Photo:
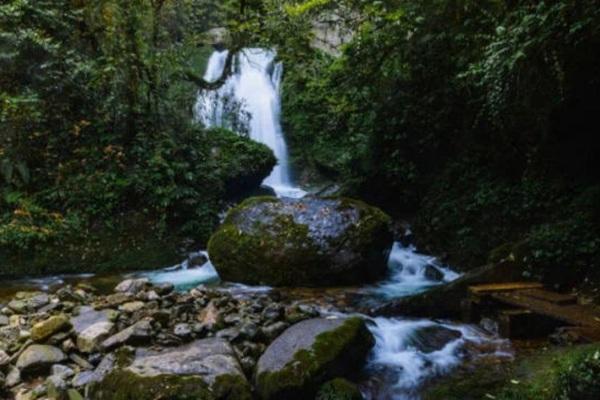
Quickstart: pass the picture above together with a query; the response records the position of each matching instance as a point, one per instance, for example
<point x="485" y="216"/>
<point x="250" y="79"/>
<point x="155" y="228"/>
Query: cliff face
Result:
<point x="334" y="28"/>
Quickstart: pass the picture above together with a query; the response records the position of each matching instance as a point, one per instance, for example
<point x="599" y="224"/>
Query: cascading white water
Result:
<point x="401" y="363"/>
<point x="252" y="92"/>
<point x="411" y="272"/>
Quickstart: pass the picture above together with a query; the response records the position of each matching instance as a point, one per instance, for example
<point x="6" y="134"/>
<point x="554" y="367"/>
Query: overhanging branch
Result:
<point x="203" y="84"/>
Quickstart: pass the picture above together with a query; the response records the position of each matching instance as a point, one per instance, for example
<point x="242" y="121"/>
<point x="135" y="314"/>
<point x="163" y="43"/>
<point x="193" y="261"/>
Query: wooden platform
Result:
<point x="535" y="309"/>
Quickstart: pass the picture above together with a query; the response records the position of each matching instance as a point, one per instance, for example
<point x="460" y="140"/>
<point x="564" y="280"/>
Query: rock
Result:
<point x="85" y="378"/>
<point x="82" y="362"/>
<point x="25" y="395"/>
<point x="339" y="389"/>
<point x="302" y="242"/>
<point x="116" y="299"/>
<point x="4" y="359"/>
<point x="182" y="330"/>
<point x="132" y="306"/>
<point x="210" y="316"/>
<point x="62" y="371"/>
<point x="432" y="273"/>
<point x="132" y="286"/>
<point x="68" y="294"/>
<point x="196" y="260"/>
<point x="88" y="316"/>
<point x="164" y="288"/>
<point x="273" y="312"/>
<point x="25" y="302"/>
<point x="433" y="338"/>
<point x="43" y="330"/>
<point x="231" y="334"/>
<point x="89" y="340"/>
<point x="272" y="331"/>
<point x="3" y="320"/>
<point x="308" y="354"/>
<point x="152" y="296"/>
<point x="73" y="394"/>
<point x="204" y="369"/>
<point x="39" y="357"/>
<point x="13" y="378"/>
<point x="57" y="388"/>
<point x="68" y="346"/>
<point x="138" y="333"/>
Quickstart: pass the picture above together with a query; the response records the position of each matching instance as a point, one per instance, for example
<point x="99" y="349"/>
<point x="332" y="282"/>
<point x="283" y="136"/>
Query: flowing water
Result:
<point x="250" y="96"/>
<point x="398" y="366"/>
<point x="401" y="361"/>
<point x="408" y="353"/>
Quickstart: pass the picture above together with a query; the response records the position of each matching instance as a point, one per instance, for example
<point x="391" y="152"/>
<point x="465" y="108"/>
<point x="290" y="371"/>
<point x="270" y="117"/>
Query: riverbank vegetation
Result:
<point x="476" y="120"/>
<point x="99" y="155"/>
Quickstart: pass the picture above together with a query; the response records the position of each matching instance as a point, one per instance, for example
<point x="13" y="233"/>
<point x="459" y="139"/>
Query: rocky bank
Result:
<point x="148" y="341"/>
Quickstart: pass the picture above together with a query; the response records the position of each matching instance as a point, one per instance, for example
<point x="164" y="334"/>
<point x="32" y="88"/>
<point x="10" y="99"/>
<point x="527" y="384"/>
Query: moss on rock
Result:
<point x="334" y="353"/>
<point x="309" y="242"/>
<point x="122" y="384"/>
<point x="339" y="389"/>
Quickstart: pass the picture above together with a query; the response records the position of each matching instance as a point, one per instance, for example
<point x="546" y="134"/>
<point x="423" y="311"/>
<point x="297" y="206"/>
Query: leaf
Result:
<point x="23" y="172"/>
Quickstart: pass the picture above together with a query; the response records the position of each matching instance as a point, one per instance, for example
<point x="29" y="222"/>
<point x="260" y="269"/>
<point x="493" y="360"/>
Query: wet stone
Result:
<point x="39" y="357"/>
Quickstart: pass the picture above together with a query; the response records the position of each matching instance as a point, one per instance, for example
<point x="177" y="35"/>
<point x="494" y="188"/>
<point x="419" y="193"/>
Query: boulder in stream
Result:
<point x="310" y="353"/>
<point x="302" y="242"/>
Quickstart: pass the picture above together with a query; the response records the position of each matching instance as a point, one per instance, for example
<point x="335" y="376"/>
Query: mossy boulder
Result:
<point x="310" y="353"/>
<point x="241" y="163"/>
<point x="339" y="389"/>
<point x="302" y="242"/>
<point x="202" y="370"/>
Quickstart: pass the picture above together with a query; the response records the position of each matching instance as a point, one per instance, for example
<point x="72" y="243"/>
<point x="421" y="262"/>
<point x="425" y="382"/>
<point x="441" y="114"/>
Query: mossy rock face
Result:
<point x="302" y="242"/>
<point x="241" y="163"/>
<point x="339" y="389"/>
<point x="202" y="370"/>
<point x="310" y="353"/>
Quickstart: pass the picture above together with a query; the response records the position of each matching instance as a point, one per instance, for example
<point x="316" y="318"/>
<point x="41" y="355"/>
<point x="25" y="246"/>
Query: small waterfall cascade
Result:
<point x="411" y="272"/>
<point x="408" y="353"/>
<point x="250" y="96"/>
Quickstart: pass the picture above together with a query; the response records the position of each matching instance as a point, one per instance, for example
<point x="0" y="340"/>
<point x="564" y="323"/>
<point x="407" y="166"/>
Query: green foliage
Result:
<point x="568" y="375"/>
<point x="477" y="117"/>
<point x="581" y="380"/>
<point x="97" y="130"/>
<point x="26" y="223"/>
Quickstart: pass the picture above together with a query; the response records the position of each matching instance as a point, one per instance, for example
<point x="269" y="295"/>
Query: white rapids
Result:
<point x="252" y="93"/>
<point x="411" y="272"/>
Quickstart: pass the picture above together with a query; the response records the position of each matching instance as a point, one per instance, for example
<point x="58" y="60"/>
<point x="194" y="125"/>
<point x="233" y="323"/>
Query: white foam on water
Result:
<point x="255" y="87"/>
<point x="408" y="273"/>
<point x="405" y="367"/>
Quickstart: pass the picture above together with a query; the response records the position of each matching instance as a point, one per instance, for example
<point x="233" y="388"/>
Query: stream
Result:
<point x="408" y="353"/>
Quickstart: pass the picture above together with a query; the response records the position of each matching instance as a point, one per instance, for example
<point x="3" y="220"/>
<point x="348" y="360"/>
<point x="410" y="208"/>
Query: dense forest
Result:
<point x="475" y="123"/>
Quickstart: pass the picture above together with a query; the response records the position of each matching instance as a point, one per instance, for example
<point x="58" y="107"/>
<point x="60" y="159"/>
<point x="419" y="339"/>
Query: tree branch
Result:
<point x="203" y="84"/>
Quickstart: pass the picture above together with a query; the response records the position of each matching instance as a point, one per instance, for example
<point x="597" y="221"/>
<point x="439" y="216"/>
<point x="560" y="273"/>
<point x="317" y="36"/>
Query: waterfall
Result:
<point x="250" y="96"/>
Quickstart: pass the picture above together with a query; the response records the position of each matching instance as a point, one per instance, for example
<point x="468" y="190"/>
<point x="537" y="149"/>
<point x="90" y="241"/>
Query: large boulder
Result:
<point x="310" y="353"/>
<point x="206" y="369"/>
<point x="302" y="242"/>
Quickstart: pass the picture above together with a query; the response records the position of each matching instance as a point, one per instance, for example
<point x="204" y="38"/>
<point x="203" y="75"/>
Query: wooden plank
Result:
<point x="552" y="297"/>
<point x="569" y="314"/>
<point x="503" y="287"/>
